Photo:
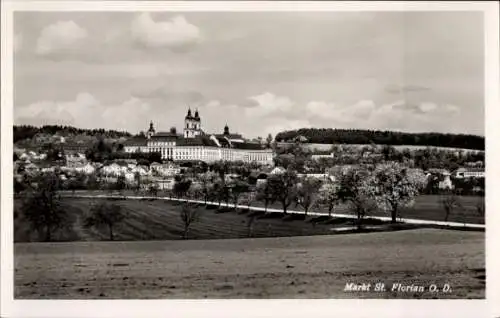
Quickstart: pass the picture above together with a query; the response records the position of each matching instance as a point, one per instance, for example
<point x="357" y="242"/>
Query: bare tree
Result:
<point x="449" y="203"/>
<point x="250" y="223"/>
<point x="189" y="215"/>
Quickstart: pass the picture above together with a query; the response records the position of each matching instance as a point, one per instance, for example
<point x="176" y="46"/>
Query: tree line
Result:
<point x="27" y="131"/>
<point x="358" y="136"/>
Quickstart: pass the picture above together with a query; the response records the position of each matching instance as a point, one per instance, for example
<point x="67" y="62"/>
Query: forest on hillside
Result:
<point x="27" y="132"/>
<point x="357" y="136"/>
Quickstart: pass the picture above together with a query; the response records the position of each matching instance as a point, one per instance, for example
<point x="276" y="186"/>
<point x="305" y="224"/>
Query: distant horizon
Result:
<point x="259" y="72"/>
<point x="263" y="136"/>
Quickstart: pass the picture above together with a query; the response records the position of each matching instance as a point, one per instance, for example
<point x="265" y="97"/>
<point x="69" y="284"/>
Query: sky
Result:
<point x="259" y="72"/>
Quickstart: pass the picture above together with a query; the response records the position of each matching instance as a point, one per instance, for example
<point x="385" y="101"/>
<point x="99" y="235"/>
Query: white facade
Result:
<point x="191" y="147"/>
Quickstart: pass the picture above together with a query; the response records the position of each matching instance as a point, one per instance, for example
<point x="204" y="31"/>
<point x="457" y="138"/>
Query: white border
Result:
<point x="252" y="308"/>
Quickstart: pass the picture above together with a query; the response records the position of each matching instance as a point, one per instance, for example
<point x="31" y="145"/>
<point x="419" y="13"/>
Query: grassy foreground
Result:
<point x="151" y="219"/>
<point x="285" y="267"/>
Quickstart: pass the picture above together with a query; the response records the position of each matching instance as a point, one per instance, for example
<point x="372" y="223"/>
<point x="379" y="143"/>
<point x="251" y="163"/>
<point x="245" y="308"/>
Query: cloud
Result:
<point x="165" y="93"/>
<point x="176" y="34"/>
<point x="60" y="37"/>
<point x="85" y="111"/>
<point x="268" y="104"/>
<point x="18" y="42"/>
<point x="400" y="89"/>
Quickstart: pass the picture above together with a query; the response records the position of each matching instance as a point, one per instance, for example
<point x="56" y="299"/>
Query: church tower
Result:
<point x="151" y="130"/>
<point x="192" y="124"/>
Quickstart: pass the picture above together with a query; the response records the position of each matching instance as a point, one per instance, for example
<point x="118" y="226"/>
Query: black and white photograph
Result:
<point x="250" y="154"/>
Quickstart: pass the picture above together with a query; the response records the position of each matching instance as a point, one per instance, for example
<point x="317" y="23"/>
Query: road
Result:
<point x="254" y="208"/>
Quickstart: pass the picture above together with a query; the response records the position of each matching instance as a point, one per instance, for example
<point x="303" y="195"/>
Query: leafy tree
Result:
<point x="450" y="202"/>
<point x="103" y="214"/>
<point x="137" y="177"/>
<point x="265" y="194"/>
<point x="394" y="186"/>
<point x="92" y="182"/>
<point x="121" y="183"/>
<point x="284" y="188"/>
<point x="189" y="214"/>
<point x="269" y="141"/>
<point x="42" y="207"/>
<point x="18" y="186"/>
<point x="181" y="187"/>
<point x="328" y="195"/>
<point x="307" y="193"/>
<point x="237" y="188"/>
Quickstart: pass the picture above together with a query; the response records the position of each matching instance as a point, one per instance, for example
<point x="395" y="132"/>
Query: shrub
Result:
<point x="211" y="207"/>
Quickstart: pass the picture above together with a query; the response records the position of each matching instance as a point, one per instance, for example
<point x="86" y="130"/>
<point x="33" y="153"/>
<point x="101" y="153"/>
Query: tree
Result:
<point x="18" y="186"/>
<point x="181" y="187"/>
<point x="354" y="189"/>
<point x="121" y="183"/>
<point x="42" y="207"/>
<point x="450" y="202"/>
<point x="207" y="180"/>
<point x="284" y="188"/>
<point x="103" y="214"/>
<point x="480" y="208"/>
<point x="189" y="214"/>
<point x="328" y="195"/>
<point x="137" y="177"/>
<point x="394" y="186"/>
<point x="153" y="189"/>
<point x="307" y="192"/>
<point x="264" y="194"/>
<point x="269" y="141"/>
<point x="238" y="188"/>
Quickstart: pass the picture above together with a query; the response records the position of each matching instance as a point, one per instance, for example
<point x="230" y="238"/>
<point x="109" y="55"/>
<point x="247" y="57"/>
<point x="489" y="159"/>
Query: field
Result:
<point x="285" y="267"/>
<point x="160" y="220"/>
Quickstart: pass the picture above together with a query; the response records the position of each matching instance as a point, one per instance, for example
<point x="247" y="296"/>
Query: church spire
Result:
<point x="189" y="115"/>
<point x="196" y="114"/>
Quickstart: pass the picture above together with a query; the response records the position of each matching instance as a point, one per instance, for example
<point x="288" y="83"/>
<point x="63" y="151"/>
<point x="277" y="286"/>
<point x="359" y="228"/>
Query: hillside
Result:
<point x="365" y="137"/>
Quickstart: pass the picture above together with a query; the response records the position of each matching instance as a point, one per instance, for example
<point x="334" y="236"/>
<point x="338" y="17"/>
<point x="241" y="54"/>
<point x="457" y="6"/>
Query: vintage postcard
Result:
<point x="248" y="158"/>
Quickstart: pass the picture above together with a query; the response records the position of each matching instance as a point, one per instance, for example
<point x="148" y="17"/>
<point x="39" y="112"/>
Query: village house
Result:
<point x="469" y="173"/>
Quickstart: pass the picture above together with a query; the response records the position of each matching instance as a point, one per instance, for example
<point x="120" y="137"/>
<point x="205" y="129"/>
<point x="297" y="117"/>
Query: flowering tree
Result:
<point x="307" y="193"/>
<point x="284" y="188"/>
<point x="353" y="188"/>
<point x="395" y="186"/>
<point x="328" y="195"/>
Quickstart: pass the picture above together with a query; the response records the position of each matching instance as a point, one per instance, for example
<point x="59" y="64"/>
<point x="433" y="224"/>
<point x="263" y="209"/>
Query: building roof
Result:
<point x="470" y="170"/>
<point x="230" y="136"/>
<point x="136" y="141"/>
<point x="164" y="134"/>
<point x="196" y="141"/>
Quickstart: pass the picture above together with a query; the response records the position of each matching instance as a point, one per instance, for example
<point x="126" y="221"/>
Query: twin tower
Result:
<point x="192" y="124"/>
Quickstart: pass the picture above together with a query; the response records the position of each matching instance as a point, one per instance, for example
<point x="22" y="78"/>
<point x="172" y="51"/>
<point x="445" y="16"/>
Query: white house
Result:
<point x="469" y="173"/>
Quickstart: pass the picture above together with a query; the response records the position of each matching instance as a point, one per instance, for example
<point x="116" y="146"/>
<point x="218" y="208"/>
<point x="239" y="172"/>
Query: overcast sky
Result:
<point x="259" y="72"/>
